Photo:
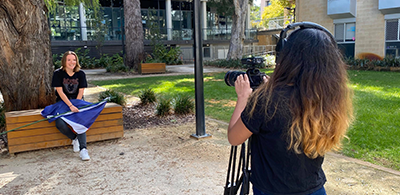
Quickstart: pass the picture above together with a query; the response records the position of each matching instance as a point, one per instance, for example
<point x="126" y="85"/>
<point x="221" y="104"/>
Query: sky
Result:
<point x="257" y="2"/>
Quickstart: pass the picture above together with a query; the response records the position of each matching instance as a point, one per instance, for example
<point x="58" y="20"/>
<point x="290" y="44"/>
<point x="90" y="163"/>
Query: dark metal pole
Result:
<point x="123" y="32"/>
<point x="198" y="62"/>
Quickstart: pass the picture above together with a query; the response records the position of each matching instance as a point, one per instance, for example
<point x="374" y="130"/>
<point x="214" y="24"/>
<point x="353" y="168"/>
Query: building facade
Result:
<point x="76" y="27"/>
<point x="359" y="26"/>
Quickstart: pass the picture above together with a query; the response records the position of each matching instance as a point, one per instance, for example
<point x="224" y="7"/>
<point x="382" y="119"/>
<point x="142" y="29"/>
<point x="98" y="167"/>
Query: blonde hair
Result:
<point x="64" y="61"/>
<point x="321" y="102"/>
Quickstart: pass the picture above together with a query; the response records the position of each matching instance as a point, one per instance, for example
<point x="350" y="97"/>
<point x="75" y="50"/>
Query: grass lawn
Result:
<point x="374" y="137"/>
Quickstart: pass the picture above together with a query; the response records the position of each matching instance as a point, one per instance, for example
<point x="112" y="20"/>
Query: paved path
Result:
<point x="345" y="175"/>
<point x="101" y="74"/>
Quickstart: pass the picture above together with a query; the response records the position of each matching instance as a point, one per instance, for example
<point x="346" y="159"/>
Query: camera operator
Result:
<point x="302" y="112"/>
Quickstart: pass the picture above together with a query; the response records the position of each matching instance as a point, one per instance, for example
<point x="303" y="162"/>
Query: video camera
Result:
<point x="254" y="74"/>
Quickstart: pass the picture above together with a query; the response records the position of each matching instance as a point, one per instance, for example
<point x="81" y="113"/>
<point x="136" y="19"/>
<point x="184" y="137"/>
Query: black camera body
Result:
<point x="254" y="74"/>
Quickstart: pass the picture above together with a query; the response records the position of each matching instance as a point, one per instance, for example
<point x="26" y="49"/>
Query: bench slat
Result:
<point x="49" y="130"/>
<point x="62" y="142"/>
<point x="56" y="135"/>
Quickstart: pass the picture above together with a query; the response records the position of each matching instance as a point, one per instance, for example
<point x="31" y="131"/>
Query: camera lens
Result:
<point x="230" y="77"/>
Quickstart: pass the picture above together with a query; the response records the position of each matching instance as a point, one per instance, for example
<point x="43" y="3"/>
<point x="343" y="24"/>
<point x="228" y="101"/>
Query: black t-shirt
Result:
<point x="274" y="169"/>
<point x="69" y="84"/>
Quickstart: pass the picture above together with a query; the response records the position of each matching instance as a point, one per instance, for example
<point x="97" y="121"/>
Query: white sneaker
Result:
<point x="75" y="144"/>
<point x="84" y="154"/>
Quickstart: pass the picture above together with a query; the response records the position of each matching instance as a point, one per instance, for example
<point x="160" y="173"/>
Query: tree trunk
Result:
<point x="133" y="33"/>
<point x="26" y="67"/>
<point x="238" y="28"/>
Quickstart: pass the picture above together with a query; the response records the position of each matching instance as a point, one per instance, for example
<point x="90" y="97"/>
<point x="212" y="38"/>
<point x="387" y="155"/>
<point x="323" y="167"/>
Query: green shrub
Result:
<point x="163" y="106"/>
<point x="117" y="59"/>
<point x="183" y="104"/>
<point x="114" y="97"/>
<point x="103" y="61"/>
<point x="370" y="64"/>
<point x="172" y="56"/>
<point x="84" y="59"/>
<point x="57" y="61"/>
<point x="147" y="96"/>
<point x="163" y="55"/>
<point x="225" y="63"/>
<point x="117" y="68"/>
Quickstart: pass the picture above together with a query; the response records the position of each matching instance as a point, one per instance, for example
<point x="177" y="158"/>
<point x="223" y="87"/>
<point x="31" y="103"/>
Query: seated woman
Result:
<point x="70" y="83"/>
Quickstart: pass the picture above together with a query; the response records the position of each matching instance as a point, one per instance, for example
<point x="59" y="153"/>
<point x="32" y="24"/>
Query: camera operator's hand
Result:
<point x="242" y="87"/>
<point x="266" y="78"/>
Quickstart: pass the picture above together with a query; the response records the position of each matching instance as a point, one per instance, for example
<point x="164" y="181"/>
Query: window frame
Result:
<point x="344" y="32"/>
<point x="397" y="33"/>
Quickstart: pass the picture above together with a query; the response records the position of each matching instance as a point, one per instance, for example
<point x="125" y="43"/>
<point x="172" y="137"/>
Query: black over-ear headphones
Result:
<point x="303" y="25"/>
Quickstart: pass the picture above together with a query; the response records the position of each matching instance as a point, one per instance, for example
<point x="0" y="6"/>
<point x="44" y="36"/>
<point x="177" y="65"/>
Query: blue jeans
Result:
<point x="321" y="191"/>
<point x="63" y="127"/>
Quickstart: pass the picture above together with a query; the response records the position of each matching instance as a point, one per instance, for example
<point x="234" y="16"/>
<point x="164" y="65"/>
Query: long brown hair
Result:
<point x="321" y="102"/>
<point x="64" y="61"/>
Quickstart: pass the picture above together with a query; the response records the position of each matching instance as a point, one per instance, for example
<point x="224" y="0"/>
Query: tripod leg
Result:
<point x="233" y="184"/>
<point x="228" y="183"/>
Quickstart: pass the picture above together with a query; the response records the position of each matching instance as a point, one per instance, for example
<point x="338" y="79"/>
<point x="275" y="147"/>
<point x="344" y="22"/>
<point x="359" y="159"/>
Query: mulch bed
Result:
<point x="144" y="116"/>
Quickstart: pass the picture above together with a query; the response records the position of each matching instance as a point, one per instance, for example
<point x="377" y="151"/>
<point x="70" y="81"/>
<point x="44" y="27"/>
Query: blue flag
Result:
<point x="79" y="121"/>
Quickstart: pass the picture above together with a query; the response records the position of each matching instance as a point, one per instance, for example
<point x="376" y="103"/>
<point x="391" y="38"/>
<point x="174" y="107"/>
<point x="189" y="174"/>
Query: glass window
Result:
<point x="187" y="19"/>
<point x="339" y="32"/>
<point x="350" y="32"/>
<point x="207" y="52"/>
<point x="345" y="32"/>
<point x="392" y="38"/>
<point x="392" y="27"/>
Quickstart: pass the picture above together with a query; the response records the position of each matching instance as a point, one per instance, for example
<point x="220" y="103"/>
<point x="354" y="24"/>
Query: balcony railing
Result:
<point x="84" y="34"/>
<point x="89" y="34"/>
<point x="278" y="23"/>
<point x="187" y="34"/>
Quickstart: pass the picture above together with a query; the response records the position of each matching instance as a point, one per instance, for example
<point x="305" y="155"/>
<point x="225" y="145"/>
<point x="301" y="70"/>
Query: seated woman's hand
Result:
<point x="74" y="109"/>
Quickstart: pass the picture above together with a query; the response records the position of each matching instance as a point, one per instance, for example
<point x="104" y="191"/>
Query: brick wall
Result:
<point x="370" y="28"/>
<point x="314" y="11"/>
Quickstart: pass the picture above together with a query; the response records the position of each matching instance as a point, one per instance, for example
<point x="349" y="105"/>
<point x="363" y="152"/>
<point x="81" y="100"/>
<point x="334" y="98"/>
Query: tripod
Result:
<point x="242" y="178"/>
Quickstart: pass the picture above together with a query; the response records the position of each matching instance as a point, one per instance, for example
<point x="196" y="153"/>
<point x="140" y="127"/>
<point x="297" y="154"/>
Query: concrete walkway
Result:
<point x="345" y="175"/>
<point x="101" y="74"/>
<point x="171" y="69"/>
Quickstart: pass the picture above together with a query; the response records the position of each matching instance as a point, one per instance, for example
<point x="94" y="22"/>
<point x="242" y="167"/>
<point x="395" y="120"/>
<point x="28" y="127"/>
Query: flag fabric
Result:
<point x="79" y="121"/>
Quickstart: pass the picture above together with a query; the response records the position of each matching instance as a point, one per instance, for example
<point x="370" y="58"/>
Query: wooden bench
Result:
<point x="147" y="68"/>
<point x="108" y="125"/>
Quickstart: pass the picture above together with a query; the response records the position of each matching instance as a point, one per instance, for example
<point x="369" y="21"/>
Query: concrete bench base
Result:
<point x="41" y="135"/>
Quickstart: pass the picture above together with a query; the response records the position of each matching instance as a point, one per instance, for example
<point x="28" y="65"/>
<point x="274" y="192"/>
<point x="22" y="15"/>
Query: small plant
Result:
<point x="148" y="96"/>
<point x="163" y="107"/>
<point x="57" y="61"/>
<point x="183" y="104"/>
<point x="115" y="97"/>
